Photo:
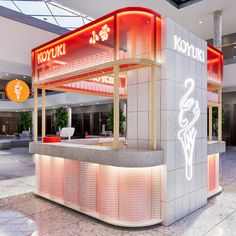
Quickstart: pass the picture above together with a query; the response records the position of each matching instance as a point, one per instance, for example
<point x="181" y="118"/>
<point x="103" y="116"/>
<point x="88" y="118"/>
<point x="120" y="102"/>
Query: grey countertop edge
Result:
<point x="216" y="147"/>
<point x="120" y="158"/>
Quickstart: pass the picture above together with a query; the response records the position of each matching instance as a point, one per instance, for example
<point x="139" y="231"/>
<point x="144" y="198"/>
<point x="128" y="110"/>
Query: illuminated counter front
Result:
<point x="214" y="148"/>
<point x="119" y="187"/>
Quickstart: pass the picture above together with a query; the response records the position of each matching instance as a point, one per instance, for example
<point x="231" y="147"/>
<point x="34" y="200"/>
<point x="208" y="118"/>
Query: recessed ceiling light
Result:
<point x="97" y="102"/>
<point x="200" y="22"/>
<point x="6" y="74"/>
<point x="81" y="104"/>
<point x="24" y="77"/>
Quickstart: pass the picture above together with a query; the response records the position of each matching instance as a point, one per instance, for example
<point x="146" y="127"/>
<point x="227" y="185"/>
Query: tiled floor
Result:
<point x="26" y="214"/>
<point x="15" y="163"/>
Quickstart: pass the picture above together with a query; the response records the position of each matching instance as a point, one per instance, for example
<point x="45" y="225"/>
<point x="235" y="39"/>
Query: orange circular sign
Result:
<point x="17" y="91"/>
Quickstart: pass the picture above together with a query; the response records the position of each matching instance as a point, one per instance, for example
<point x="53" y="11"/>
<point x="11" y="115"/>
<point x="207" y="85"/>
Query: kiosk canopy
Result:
<point x="125" y="37"/>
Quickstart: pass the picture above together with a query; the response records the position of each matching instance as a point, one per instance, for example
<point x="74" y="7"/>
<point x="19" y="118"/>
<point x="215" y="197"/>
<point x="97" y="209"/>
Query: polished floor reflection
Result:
<point x="16" y="163"/>
<point x="23" y="214"/>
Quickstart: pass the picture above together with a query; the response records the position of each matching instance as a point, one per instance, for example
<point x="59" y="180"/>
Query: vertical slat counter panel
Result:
<point x="57" y="178"/>
<point x="71" y="182"/>
<point x="107" y="191"/>
<point x="211" y="173"/>
<point x="87" y="186"/>
<point x="37" y="171"/>
<point x="45" y="175"/>
<point x="156" y="192"/>
<point x="135" y="194"/>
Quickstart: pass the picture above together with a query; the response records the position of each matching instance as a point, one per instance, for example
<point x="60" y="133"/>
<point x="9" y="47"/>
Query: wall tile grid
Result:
<point x="138" y="108"/>
<point x="179" y="196"/>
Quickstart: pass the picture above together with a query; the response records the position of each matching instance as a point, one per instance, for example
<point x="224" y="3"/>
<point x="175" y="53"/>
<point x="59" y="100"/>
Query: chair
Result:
<point x="67" y="132"/>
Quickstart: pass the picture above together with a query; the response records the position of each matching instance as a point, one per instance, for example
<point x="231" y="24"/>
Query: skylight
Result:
<point x="50" y="12"/>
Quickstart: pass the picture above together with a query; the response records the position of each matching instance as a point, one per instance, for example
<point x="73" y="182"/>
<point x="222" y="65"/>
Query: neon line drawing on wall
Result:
<point x="187" y="134"/>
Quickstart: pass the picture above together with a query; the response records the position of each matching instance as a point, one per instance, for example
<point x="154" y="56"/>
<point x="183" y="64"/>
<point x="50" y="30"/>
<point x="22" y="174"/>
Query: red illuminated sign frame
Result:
<point x="215" y="61"/>
<point x="130" y="34"/>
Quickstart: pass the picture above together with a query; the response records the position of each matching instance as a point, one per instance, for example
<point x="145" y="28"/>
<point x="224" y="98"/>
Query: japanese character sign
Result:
<point x="102" y="35"/>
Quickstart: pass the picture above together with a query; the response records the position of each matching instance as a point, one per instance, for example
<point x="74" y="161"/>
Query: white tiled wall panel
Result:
<point x="181" y="196"/>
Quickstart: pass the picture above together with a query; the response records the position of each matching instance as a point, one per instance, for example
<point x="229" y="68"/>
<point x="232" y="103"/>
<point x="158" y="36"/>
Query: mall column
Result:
<point x="69" y="111"/>
<point x="217" y="39"/>
<point x="217" y="42"/>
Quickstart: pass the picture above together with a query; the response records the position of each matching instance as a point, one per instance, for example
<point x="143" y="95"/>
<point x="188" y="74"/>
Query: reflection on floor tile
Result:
<point x="226" y="227"/>
<point x="24" y="214"/>
<point x="12" y="187"/>
<point x="16" y="163"/>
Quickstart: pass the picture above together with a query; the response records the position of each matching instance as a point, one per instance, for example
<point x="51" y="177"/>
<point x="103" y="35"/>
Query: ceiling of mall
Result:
<point x="11" y="76"/>
<point x="189" y="17"/>
<point x="48" y="11"/>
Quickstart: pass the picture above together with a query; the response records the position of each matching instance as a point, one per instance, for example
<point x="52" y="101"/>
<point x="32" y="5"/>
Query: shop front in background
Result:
<point x="9" y="123"/>
<point x="91" y="119"/>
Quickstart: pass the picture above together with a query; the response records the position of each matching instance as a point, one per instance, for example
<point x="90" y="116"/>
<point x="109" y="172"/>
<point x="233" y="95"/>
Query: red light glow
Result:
<point x="214" y="64"/>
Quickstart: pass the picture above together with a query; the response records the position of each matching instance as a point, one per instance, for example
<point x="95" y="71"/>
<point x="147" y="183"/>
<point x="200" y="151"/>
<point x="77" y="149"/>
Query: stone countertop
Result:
<point x="124" y="157"/>
<point x="214" y="147"/>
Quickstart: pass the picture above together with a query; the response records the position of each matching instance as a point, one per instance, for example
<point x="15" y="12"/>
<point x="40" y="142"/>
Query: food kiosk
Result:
<point x="161" y="174"/>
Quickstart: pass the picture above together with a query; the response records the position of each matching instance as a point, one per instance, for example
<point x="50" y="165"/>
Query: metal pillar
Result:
<point x="69" y="111"/>
<point x="217" y="38"/>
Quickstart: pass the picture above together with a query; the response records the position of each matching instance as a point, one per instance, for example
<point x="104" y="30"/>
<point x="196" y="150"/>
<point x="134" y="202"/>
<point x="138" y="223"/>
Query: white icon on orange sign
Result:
<point x="187" y="134"/>
<point x="17" y="90"/>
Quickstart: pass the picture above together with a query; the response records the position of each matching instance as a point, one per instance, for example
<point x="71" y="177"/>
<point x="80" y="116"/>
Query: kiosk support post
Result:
<point x="43" y="113"/>
<point x="210" y="123"/>
<point x="35" y="115"/>
<point x="116" y="112"/>
<point x="220" y="115"/>
<point x="153" y="122"/>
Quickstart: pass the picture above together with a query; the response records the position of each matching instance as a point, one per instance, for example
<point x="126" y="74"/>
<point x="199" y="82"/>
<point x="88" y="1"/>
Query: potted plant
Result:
<point x="215" y="121"/>
<point x="121" y="121"/>
<point x="61" y="118"/>
<point x="26" y="122"/>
